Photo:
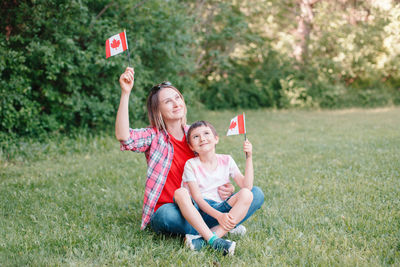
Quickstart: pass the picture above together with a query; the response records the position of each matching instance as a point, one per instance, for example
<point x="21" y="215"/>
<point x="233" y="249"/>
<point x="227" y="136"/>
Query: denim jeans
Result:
<point x="169" y="220"/>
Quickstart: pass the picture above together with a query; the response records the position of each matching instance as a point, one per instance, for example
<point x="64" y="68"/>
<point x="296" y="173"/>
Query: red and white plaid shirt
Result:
<point x="159" y="153"/>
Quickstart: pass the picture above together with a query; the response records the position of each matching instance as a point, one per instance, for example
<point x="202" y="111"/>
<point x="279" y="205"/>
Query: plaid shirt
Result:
<point x="159" y="153"/>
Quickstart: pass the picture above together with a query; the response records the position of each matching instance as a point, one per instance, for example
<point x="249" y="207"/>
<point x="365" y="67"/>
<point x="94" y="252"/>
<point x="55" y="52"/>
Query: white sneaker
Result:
<point x="239" y="230"/>
<point x="194" y="242"/>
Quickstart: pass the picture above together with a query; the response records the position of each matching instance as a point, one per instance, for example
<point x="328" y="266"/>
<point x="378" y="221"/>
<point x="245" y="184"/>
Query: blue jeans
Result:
<point x="169" y="220"/>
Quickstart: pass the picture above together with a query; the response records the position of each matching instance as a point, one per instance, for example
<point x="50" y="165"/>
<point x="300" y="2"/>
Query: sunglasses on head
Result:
<point x="161" y="85"/>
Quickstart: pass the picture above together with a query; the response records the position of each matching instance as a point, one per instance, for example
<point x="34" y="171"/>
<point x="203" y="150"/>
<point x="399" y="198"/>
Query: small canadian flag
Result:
<point x="116" y="44"/>
<point x="237" y="126"/>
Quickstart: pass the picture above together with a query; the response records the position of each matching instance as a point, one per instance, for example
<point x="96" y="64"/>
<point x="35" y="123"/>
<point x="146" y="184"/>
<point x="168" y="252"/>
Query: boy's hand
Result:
<point x="226" y="220"/>
<point x="247" y="148"/>
<point x="126" y="80"/>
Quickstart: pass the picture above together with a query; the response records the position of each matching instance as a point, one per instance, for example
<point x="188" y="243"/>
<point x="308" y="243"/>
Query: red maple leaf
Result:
<point x="115" y="44"/>
<point x="233" y="125"/>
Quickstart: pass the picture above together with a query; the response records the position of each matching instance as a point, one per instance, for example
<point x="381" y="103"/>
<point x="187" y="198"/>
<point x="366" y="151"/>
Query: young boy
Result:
<point x="202" y="176"/>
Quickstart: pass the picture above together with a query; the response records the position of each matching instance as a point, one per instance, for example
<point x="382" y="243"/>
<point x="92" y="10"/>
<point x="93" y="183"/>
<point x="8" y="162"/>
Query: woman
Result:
<point x="166" y="150"/>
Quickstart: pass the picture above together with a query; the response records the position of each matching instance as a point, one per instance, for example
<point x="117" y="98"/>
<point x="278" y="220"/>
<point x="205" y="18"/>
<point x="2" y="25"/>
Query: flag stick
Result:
<point x="127" y="49"/>
<point x="245" y="138"/>
<point x="129" y="58"/>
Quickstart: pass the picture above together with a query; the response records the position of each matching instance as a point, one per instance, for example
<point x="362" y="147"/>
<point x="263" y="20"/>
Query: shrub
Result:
<point x="53" y="71"/>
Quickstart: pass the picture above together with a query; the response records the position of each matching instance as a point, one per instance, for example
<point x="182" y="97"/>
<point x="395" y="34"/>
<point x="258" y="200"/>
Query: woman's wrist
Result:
<point x="125" y="94"/>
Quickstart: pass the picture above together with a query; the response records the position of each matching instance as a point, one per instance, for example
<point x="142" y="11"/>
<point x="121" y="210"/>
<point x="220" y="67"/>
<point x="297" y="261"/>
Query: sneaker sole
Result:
<point x="231" y="250"/>
<point x="188" y="241"/>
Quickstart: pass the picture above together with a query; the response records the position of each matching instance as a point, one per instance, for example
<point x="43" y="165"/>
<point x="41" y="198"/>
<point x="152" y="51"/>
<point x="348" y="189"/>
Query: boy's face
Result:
<point x="202" y="139"/>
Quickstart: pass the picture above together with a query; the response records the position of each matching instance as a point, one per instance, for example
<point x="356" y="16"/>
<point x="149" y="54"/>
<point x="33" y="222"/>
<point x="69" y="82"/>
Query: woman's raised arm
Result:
<point x="126" y="81"/>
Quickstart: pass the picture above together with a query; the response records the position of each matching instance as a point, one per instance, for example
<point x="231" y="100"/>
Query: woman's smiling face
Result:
<point x="171" y="105"/>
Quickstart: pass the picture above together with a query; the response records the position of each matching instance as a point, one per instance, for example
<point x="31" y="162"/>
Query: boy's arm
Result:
<point x="246" y="181"/>
<point x="224" y="219"/>
<point x="203" y="205"/>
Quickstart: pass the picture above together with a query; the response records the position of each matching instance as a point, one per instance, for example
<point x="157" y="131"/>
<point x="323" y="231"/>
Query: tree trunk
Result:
<point x="303" y="31"/>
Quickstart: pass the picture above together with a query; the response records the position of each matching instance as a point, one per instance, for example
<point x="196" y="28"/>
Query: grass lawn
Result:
<point x="331" y="181"/>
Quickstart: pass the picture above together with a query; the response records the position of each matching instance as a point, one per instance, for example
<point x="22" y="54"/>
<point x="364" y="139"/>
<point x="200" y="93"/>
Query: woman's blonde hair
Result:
<point x="153" y="106"/>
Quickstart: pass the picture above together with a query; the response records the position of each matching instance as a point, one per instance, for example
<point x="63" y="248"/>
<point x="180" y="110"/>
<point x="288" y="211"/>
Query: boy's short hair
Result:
<point x="198" y="124"/>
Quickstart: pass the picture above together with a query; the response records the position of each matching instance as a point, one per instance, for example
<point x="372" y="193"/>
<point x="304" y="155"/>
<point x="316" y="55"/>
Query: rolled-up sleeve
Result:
<point x="139" y="140"/>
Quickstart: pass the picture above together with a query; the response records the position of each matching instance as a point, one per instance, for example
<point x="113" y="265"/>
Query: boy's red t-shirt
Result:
<point x="182" y="153"/>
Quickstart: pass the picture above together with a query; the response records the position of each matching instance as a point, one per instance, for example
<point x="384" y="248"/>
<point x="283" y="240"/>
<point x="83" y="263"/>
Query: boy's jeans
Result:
<point x="168" y="218"/>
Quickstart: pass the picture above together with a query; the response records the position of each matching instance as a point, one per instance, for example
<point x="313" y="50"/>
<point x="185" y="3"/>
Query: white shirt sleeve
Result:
<point x="233" y="168"/>
<point x="188" y="174"/>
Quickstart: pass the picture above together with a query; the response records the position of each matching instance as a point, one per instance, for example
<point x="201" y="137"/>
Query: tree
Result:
<point x="304" y="27"/>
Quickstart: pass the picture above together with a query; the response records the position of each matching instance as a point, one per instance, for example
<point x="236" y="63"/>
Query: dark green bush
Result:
<point x="53" y="71"/>
<point x="250" y="84"/>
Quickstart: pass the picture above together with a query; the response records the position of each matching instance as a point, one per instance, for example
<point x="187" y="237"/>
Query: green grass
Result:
<point x="331" y="181"/>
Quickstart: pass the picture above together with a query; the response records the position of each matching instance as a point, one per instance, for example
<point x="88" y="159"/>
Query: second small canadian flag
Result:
<point x="116" y="44"/>
<point x="237" y="126"/>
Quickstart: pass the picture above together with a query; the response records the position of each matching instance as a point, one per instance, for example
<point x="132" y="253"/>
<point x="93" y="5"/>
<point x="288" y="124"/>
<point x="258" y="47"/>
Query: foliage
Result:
<point x="228" y="54"/>
<point x="250" y="87"/>
<point x="54" y="75"/>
